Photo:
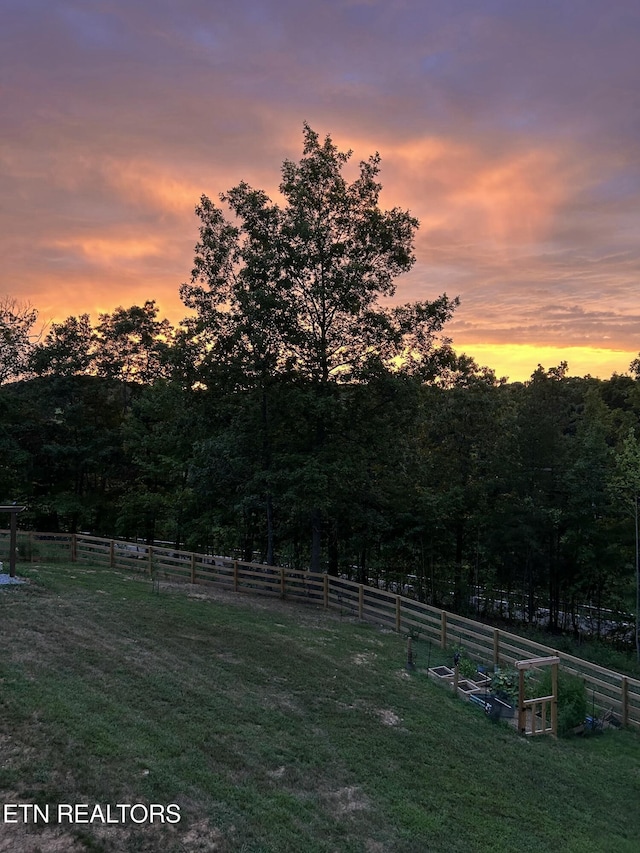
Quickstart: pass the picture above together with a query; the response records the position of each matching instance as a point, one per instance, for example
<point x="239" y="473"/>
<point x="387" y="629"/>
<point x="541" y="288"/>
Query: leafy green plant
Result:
<point x="467" y="668"/>
<point x="505" y="684"/>
<point x="572" y="700"/>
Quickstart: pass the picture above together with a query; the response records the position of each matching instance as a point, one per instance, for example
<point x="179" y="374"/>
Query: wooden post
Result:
<point x="522" y="713"/>
<point x="496" y="647"/>
<point x="554" y="701"/>
<point x="12" y="546"/>
<point x="74" y="548"/>
<point x="360" y="600"/>
<point x="398" y="606"/>
<point x="409" y="654"/>
<point x="625" y="700"/>
<point x="13" y="510"/>
<point x="235" y="575"/>
<point x="193" y="568"/>
<point x="150" y="560"/>
<point x="111" y="554"/>
<point x="282" y="582"/>
<point x="326" y="591"/>
<point x="443" y="630"/>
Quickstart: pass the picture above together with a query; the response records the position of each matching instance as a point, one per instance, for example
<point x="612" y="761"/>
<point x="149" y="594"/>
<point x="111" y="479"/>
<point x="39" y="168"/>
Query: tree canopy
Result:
<point x="296" y="286"/>
<point x="293" y="289"/>
<point x="17" y="320"/>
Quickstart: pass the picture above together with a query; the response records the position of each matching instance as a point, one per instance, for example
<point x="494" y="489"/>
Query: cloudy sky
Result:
<point x="510" y="128"/>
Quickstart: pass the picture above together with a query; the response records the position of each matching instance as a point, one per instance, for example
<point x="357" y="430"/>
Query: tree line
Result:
<point x="296" y="418"/>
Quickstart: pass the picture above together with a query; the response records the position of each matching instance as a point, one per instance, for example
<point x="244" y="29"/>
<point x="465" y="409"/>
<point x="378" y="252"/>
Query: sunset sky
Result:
<point x="510" y="129"/>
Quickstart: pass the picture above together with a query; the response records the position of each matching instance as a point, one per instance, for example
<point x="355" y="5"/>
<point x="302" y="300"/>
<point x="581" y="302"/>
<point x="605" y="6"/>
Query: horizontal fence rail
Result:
<point x="611" y="691"/>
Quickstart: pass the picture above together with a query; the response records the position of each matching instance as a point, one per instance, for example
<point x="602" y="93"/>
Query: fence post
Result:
<point x="326" y="591"/>
<point x="625" y="700"/>
<point x="235" y="575"/>
<point x="443" y="630"/>
<point x="111" y="554"/>
<point x="282" y="582"/>
<point x="496" y="647"/>
<point x="398" y="605"/>
<point x="360" y="600"/>
<point x="151" y="560"/>
<point x="554" y="702"/>
<point x="522" y="711"/>
<point x="193" y="568"/>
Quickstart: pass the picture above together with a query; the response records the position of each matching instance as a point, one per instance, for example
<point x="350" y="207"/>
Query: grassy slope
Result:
<point x="276" y="728"/>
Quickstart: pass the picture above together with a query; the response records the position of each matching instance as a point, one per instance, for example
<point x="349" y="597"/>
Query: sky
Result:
<point x="509" y="128"/>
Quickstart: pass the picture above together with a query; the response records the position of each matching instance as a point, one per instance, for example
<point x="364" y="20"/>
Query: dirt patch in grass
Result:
<point x="203" y="837"/>
<point x="282" y="702"/>
<point x="362" y="658"/>
<point x="347" y="800"/>
<point x="387" y="717"/>
<point x="19" y="838"/>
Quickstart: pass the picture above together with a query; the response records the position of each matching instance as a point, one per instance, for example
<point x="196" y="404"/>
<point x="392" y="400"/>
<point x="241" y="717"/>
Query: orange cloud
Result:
<point x="155" y="185"/>
<point x="515" y="200"/>
<point x="105" y="250"/>
<point x="509" y="198"/>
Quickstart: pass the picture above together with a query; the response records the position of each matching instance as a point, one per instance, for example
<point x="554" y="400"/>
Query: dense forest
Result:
<point x="295" y="420"/>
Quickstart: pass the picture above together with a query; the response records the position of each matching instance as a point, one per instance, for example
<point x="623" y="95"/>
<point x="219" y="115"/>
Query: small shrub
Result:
<point x="467" y="668"/>
<point x="505" y="684"/>
<point x="572" y="700"/>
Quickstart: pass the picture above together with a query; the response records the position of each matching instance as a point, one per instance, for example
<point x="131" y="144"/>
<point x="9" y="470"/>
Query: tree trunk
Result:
<point x="266" y="467"/>
<point x="531" y="589"/>
<point x="457" y="578"/>
<point x="270" y="556"/>
<point x="552" y="624"/>
<point x="362" y="568"/>
<point x="316" y="539"/>
<point x="332" y="547"/>
<point x="247" y="545"/>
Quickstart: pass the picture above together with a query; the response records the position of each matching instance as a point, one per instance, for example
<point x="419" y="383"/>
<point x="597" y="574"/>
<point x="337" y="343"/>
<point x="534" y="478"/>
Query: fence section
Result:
<point x="609" y="690"/>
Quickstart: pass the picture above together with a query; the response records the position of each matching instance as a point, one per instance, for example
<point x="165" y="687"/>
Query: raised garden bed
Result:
<point x="468" y="687"/>
<point x="444" y="673"/>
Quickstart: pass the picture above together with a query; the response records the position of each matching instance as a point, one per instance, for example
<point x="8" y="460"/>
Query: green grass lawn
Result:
<point x="275" y="727"/>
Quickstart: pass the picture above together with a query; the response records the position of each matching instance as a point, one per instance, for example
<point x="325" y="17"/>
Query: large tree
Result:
<point x="17" y="320"/>
<point x="294" y="289"/>
<point x="67" y="350"/>
<point x="132" y="344"/>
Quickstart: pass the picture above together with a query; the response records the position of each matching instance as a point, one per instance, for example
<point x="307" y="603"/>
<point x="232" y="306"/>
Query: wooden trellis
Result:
<point x="13" y="510"/>
<point x="532" y="713"/>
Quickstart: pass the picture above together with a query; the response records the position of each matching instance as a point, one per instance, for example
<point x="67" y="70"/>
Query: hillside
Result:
<point x="273" y="727"/>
